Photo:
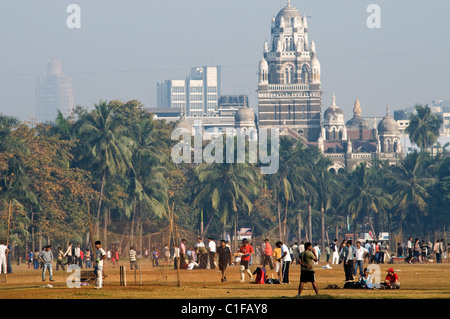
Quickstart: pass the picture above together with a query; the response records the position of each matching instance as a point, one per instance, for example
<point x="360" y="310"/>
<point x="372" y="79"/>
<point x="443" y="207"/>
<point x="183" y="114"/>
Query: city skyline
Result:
<point x="404" y="62"/>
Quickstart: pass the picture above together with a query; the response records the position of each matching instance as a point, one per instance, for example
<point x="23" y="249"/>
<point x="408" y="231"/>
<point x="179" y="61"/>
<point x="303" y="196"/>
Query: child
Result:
<point x="367" y="279"/>
<point x="155" y="257"/>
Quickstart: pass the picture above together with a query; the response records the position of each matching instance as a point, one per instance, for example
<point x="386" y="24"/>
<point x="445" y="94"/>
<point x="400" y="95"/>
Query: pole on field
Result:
<point x="7" y="238"/>
<point x="123" y="276"/>
<point x="140" y="274"/>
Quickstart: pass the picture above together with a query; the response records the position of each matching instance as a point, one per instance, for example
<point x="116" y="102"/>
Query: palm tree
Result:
<point x="147" y="183"/>
<point x="106" y="144"/>
<point x="224" y="189"/>
<point x="294" y="182"/>
<point x="326" y="186"/>
<point x="364" y="196"/>
<point x="423" y="128"/>
<point x="412" y="183"/>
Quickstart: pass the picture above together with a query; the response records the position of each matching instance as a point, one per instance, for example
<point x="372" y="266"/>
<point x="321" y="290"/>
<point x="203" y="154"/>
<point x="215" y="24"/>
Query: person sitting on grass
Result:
<point x="391" y="280"/>
<point x="367" y="279"/>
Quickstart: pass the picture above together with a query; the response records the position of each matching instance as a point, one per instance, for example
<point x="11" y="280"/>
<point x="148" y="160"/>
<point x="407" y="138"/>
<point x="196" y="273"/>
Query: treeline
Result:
<point x="110" y="168"/>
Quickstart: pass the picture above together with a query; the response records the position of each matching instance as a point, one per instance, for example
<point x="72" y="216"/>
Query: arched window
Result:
<point x="305" y="74"/>
<point x="289" y="44"/>
<point x="273" y="74"/>
<point x="289" y="74"/>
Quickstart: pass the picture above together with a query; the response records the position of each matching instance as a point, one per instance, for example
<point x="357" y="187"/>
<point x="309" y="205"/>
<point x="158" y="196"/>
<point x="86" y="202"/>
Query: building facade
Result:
<point x="289" y="87"/>
<point x="54" y="91"/>
<point x="198" y="94"/>
<point x="348" y="144"/>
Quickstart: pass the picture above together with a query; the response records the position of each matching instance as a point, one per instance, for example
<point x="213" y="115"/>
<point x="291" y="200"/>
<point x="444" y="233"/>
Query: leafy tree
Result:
<point x="423" y="128"/>
<point x="413" y="181"/>
<point x="106" y="144"/>
<point x="364" y="195"/>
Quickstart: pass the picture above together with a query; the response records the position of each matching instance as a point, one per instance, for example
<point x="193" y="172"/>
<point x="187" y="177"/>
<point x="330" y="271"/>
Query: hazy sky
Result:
<point x="124" y="47"/>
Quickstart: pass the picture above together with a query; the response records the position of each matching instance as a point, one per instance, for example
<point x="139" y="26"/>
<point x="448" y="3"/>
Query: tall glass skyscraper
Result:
<point x="54" y="91"/>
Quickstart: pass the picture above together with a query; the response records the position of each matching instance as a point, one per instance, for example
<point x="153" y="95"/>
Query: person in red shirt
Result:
<point x="391" y="279"/>
<point x="246" y="250"/>
<point x="267" y="254"/>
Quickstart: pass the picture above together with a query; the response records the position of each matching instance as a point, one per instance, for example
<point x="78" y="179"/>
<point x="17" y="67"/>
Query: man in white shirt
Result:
<point x="367" y="247"/>
<point x="99" y="256"/>
<point x="317" y="251"/>
<point x="68" y="253"/>
<point x="410" y="249"/>
<point x="359" y="259"/>
<point x="301" y="248"/>
<point x="335" y="251"/>
<point x="77" y="254"/>
<point x="285" y="262"/>
<point x="3" y="252"/>
<point x="212" y="252"/>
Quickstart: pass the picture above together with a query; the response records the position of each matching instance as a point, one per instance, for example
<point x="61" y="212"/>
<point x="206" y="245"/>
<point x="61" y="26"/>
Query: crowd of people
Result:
<point x="278" y="258"/>
<point x="73" y="255"/>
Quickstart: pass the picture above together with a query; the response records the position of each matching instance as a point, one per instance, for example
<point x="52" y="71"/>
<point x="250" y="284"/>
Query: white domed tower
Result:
<point x="334" y="123"/>
<point x="388" y="134"/>
<point x="263" y="72"/>
<point x="291" y="93"/>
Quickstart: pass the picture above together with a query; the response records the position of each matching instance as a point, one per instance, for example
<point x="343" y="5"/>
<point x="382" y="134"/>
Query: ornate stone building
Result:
<point x="349" y="144"/>
<point x="289" y="88"/>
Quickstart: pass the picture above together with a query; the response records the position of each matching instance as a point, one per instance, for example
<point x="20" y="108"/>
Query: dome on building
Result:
<point x="333" y="112"/>
<point x="357" y="121"/>
<point x="263" y="65"/>
<point x="245" y="114"/>
<point x="287" y="13"/>
<point x="388" y="125"/>
<point x="315" y="64"/>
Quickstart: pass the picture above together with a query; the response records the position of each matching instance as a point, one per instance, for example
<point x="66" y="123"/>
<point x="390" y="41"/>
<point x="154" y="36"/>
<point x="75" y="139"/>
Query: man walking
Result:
<point x="246" y="250"/>
<point x="133" y="259"/>
<point x="69" y="254"/>
<point x="59" y="259"/>
<point x="347" y="256"/>
<point x="267" y="254"/>
<point x="335" y="251"/>
<point x="212" y="252"/>
<point x="46" y="257"/>
<point x="183" y="254"/>
<point x="307" y="274"/>
<point x="224" y="253"/>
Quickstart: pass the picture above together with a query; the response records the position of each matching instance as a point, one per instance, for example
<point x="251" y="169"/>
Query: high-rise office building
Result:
<point x="289" y="87"/>
<point x="54" y="91"/>
<point x="197" y="95"/>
